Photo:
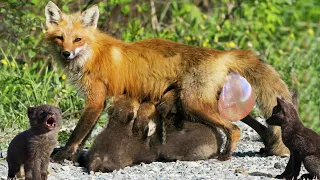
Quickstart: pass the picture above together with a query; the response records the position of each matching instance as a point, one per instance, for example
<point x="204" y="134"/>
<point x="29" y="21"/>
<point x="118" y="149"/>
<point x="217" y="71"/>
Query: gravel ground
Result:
<point x="245" y="163"/>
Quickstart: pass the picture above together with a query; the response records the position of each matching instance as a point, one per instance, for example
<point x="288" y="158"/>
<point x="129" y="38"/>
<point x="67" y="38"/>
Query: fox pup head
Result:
<point x="44" y="118"/>
<point x="122" y="111"/>
<point x="283" y="113"/>
<point x="69" y="35"/>
<point x="132" y="116"/>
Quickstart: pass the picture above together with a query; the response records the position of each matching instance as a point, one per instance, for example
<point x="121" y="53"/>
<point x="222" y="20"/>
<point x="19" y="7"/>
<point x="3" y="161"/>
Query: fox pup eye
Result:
<point x="60" y="38"/>
<point x="77" y="40"/>
<point x="42" y="114"/>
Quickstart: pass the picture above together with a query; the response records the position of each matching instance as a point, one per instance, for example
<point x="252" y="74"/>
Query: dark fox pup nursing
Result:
<point x="192" y="141"/>
<point x="304" y="144"/>
<point x="32" y="148"/>
<point x="121" y="144"/>
<point x="116" y="146"/>
<point x="184" y="140"/>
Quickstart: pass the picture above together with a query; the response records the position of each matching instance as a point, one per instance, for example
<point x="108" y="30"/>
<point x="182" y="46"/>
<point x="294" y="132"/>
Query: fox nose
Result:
<point x="66" y="54"/>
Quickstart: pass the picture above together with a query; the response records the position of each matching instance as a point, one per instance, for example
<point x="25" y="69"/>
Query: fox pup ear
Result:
<point x="281" y="101"/>
<point x="90" y="16"/>
<point x="30" y="111"/>
<point x="53" y="14"/>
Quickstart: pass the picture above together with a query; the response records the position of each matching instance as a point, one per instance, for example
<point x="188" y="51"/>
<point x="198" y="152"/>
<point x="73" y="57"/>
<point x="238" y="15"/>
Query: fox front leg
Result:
<point x="95" y="102"/>
<point x="293" y="167"/>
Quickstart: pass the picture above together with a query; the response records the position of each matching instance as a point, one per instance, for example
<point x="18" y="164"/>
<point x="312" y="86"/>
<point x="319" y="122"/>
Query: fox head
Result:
<point x="283" y="113"/>
<point x="70" y="34"/>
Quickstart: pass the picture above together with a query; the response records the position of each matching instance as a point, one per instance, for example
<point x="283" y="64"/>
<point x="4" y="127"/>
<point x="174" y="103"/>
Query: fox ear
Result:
<point x="53" y="14"/>
<point x="90" y="16"/>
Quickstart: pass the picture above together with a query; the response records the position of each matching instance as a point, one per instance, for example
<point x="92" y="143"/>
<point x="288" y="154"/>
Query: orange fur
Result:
<point x="145" y="69"/>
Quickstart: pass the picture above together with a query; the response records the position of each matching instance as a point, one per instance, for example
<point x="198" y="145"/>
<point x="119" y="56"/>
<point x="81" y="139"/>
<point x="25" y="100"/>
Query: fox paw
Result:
<point x="64" y="153"/>
<point x="224" y="157"/>
<point x="275" y="152"/>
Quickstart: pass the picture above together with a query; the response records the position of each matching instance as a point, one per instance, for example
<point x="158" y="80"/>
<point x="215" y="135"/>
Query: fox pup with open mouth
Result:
<point x="32" y="148"/>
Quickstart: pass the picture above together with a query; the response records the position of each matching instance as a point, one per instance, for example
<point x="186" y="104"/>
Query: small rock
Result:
<point x="279" y="165"/>
<point x="3" y="178"/>
<point x="192" y="164"/>
<point x="241" y="171"/>
<point x="65" y="168"/>
<point x="3" y="154"/>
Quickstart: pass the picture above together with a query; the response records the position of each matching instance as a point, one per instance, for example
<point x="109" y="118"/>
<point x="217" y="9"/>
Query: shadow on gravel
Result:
<point x="247" y="154"/>
<point x="261" y="174"/>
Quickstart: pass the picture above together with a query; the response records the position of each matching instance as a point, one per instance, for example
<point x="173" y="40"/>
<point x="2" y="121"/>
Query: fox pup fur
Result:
<point x="32" y="148"/>
<point x="102" y="66"/>
<point x="184" y="140"/>
<point x="116" y="146"/>
<point x="119" y="146"/>
<point x="304" y="144"/>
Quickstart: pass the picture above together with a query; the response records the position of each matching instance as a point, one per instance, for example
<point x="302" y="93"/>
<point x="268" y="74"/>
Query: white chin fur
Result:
<point x="77" y="60"/>
<point x="82" y="54"/>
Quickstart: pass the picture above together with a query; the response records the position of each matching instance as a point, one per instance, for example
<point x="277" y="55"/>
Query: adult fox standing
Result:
<point x="103" y="66"/>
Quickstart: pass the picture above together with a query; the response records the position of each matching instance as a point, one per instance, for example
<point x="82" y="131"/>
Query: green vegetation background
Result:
<point x="285" y="33"/>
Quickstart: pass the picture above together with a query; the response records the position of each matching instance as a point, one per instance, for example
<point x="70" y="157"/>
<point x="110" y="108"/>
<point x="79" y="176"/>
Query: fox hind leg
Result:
<point x="212" y="118"/>
<point x="199" y="96"/>
<point x="312" y="164"/>
<point x="200" y="102"/>
<point x="274" y="144"/>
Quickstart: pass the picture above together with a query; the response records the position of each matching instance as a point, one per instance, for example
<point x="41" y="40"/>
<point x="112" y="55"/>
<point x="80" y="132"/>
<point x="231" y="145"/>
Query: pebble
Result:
<point x="65" y="168"/>
<point x="244" y="164"/>
<point x="279" y="165"/>
<point x="193" y="164"/>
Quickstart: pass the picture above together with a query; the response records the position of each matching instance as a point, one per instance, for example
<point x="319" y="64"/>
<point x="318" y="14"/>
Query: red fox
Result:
<point x="102" y="66"/>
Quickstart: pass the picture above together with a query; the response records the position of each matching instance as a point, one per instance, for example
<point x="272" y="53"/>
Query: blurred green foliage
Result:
<point x="285" y="33"/>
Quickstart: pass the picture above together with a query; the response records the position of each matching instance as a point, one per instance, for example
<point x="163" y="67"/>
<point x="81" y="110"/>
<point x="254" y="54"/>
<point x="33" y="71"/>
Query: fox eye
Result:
<point x="77" y="40"/>
<point x="42" y="114"/>
<point x="60" y="37"/>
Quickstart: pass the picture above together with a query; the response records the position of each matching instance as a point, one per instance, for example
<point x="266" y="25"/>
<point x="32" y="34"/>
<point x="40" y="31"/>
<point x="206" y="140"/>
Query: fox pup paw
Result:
<point x="307" y="176"/>
<point x="284" y="176"/>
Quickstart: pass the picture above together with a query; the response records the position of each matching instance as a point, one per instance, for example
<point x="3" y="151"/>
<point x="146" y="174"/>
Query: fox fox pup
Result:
<point x="174" y="118"/>
<point x="32" y="148"/>
<point x="304" y="144"/>
<point x="102" y="66"/>
<point x="191" y="141"/>
<point x="116" y="146"/>
<point x="195" y="141"/>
